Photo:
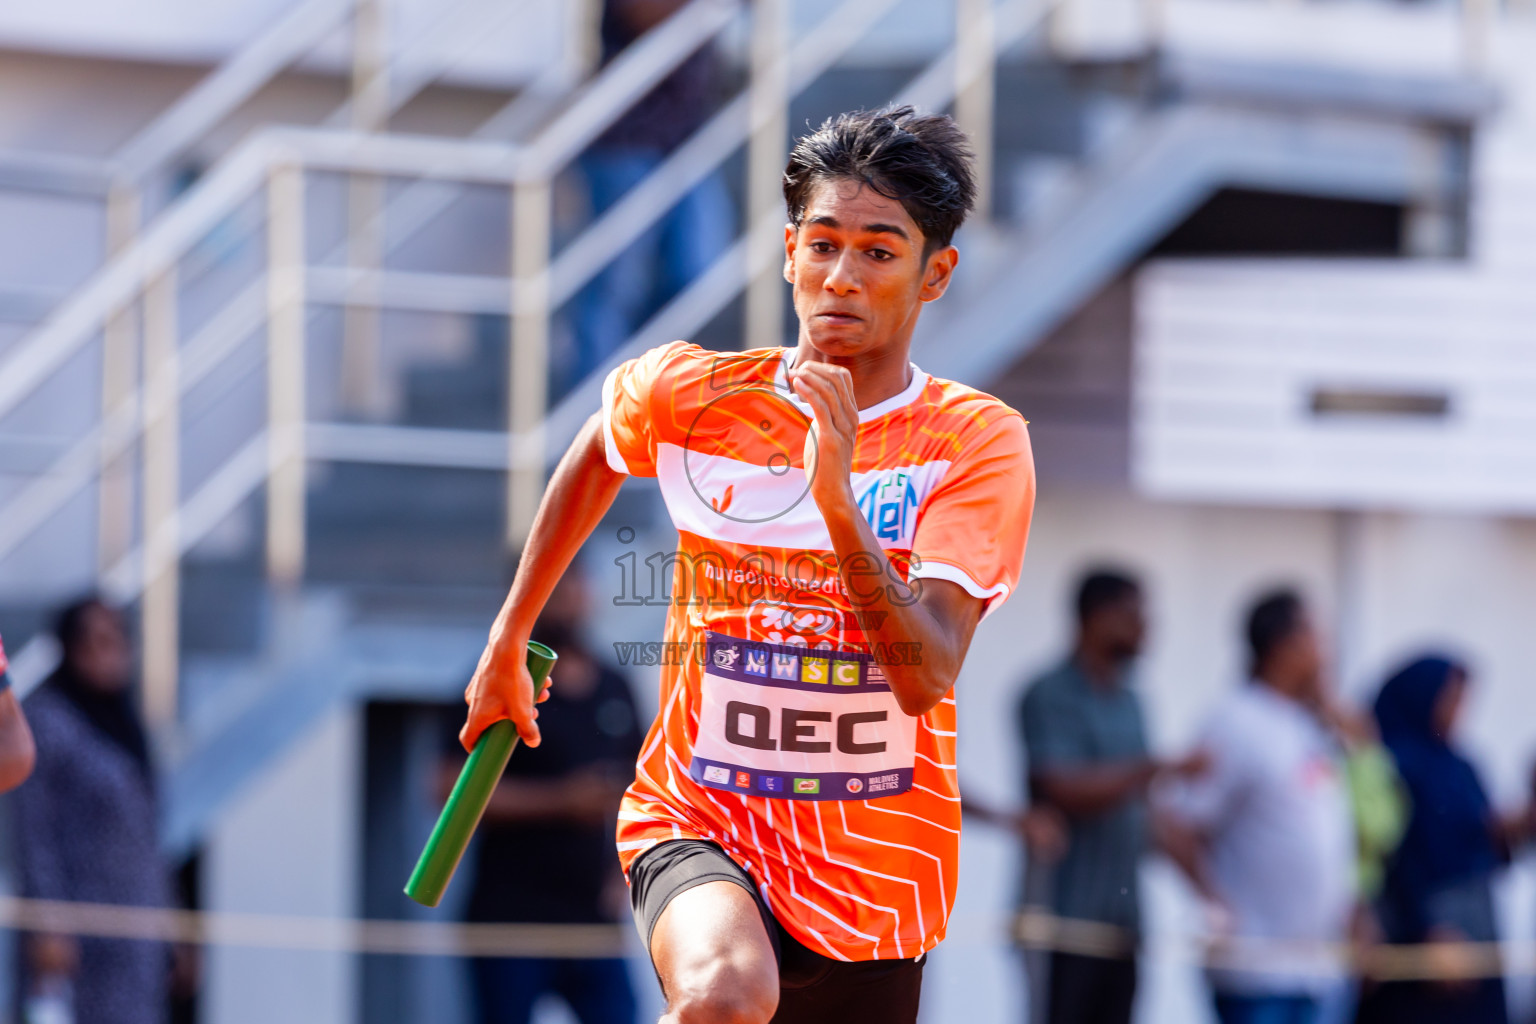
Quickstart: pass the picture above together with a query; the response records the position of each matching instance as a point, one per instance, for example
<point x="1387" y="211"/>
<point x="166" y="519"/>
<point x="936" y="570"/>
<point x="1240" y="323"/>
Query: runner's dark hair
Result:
<point x="922" y="161"/>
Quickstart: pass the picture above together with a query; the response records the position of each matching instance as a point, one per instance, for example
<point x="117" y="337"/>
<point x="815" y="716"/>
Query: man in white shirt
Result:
<point x="1270" y="836"/>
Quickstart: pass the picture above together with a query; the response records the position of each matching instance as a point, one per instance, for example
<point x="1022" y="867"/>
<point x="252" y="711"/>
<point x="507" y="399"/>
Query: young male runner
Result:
<point x="791" y="838"/>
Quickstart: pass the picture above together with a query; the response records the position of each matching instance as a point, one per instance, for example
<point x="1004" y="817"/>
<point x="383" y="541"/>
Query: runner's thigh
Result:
<point x="709" y="946"/>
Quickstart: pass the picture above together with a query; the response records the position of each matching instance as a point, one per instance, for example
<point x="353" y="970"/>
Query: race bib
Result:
<point x="799" y="724"/>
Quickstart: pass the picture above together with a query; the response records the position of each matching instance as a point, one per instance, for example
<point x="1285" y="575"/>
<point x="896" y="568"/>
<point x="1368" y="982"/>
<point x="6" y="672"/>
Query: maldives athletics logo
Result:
<point x="855" y="785"/>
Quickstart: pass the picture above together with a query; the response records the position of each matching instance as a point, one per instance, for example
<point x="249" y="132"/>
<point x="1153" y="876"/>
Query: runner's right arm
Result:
<point x="575" y="501"/>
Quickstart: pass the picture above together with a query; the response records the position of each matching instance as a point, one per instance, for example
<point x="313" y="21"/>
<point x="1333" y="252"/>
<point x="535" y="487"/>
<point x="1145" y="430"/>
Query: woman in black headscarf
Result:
<point x="1439" y="881"/>
<point x="86" y="825"/>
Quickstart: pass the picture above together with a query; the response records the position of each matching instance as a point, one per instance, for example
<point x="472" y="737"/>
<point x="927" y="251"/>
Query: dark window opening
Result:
<point x="1371" y="402"/>
<point x="1238" y="221"/>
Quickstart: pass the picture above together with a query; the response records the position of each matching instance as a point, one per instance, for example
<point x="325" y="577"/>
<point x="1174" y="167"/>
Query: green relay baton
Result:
<point x="477" y="781"/>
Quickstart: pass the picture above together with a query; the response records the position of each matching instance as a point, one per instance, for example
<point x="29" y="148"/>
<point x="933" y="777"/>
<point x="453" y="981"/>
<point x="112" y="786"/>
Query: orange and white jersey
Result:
<point x="777" y="736"/>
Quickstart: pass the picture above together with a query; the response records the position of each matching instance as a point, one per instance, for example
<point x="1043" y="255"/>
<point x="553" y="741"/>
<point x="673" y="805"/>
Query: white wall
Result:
<point x="1229" y="353"/>
<point x="289" y="846"/>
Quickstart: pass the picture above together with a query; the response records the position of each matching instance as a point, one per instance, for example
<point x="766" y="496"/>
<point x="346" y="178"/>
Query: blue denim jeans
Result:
<point x="1269" y="1009"/>
<point x="661" y="262"/>
<point x="597" y="991"/>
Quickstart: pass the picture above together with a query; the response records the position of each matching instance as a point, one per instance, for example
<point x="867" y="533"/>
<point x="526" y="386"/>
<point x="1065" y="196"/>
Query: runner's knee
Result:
<point x="725" y="991"/>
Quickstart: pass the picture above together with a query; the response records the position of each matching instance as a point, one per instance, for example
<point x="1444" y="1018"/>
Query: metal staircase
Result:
<point x="1204" y="127"/>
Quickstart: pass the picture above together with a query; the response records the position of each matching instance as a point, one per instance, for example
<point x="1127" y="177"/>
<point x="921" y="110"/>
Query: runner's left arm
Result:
<point x="933" y="621"/>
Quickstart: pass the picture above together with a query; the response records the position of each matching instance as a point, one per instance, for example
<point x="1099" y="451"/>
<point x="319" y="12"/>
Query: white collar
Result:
<point x="906" y="396"/>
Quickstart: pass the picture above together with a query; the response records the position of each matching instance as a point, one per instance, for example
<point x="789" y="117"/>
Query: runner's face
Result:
<point x="858" y="269"/>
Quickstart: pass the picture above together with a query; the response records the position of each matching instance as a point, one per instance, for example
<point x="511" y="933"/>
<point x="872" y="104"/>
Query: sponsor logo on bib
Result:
<point x="715" y="773"/>
<point x="807" y="785"/>
<point x="744" y="780"/>
<point x="855" y="785"/>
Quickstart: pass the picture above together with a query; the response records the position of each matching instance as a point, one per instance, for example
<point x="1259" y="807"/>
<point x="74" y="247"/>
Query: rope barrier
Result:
<point x="1031" y="928"/>
<point x="1037" y="929"/>
<point x="314" y="934"/>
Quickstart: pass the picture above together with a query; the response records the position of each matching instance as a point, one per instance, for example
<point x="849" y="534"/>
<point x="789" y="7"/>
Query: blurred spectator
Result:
<point x="546" y="843"/>
<point x="1379" y="806"/>
<point x="86" y="826"/>
<point x="1438" y="883"/>
<point x="17" y="751"/>
<point x="663" y="261"/>
<point x="1086" y="741"/>
<point x="1269" y="839"/>
<point x="1042" y="828"/>
<point x="1043" y="832"/>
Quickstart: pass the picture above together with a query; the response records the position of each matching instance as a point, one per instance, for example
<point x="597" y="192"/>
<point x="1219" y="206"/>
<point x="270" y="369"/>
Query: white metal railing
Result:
<point x="474" y="161"/>
<point x="382" y="82"/>
<point x="146" y="271"/>
<point x="274" y="163"/>
<point x="223" y="91"/>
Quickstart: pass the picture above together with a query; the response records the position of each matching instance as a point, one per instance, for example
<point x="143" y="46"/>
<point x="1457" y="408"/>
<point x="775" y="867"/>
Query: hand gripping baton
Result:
<point x="477" y="781"/>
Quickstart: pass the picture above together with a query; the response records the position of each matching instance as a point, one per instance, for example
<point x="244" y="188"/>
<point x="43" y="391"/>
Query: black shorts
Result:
<point x="812" y="988"/>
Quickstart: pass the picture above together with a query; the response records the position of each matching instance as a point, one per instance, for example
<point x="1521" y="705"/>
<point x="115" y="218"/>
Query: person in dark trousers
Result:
<point x="1439" y="881"/>
<point x="688" y="239"/>
<point x="546" y="842"/>
<point x="86" y="826"/>
<point x="1083" y="729"/>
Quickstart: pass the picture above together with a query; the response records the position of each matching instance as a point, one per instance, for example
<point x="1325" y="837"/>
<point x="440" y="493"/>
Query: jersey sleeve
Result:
<point x="631" y="426"/>
<point x="973" y="527"/>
